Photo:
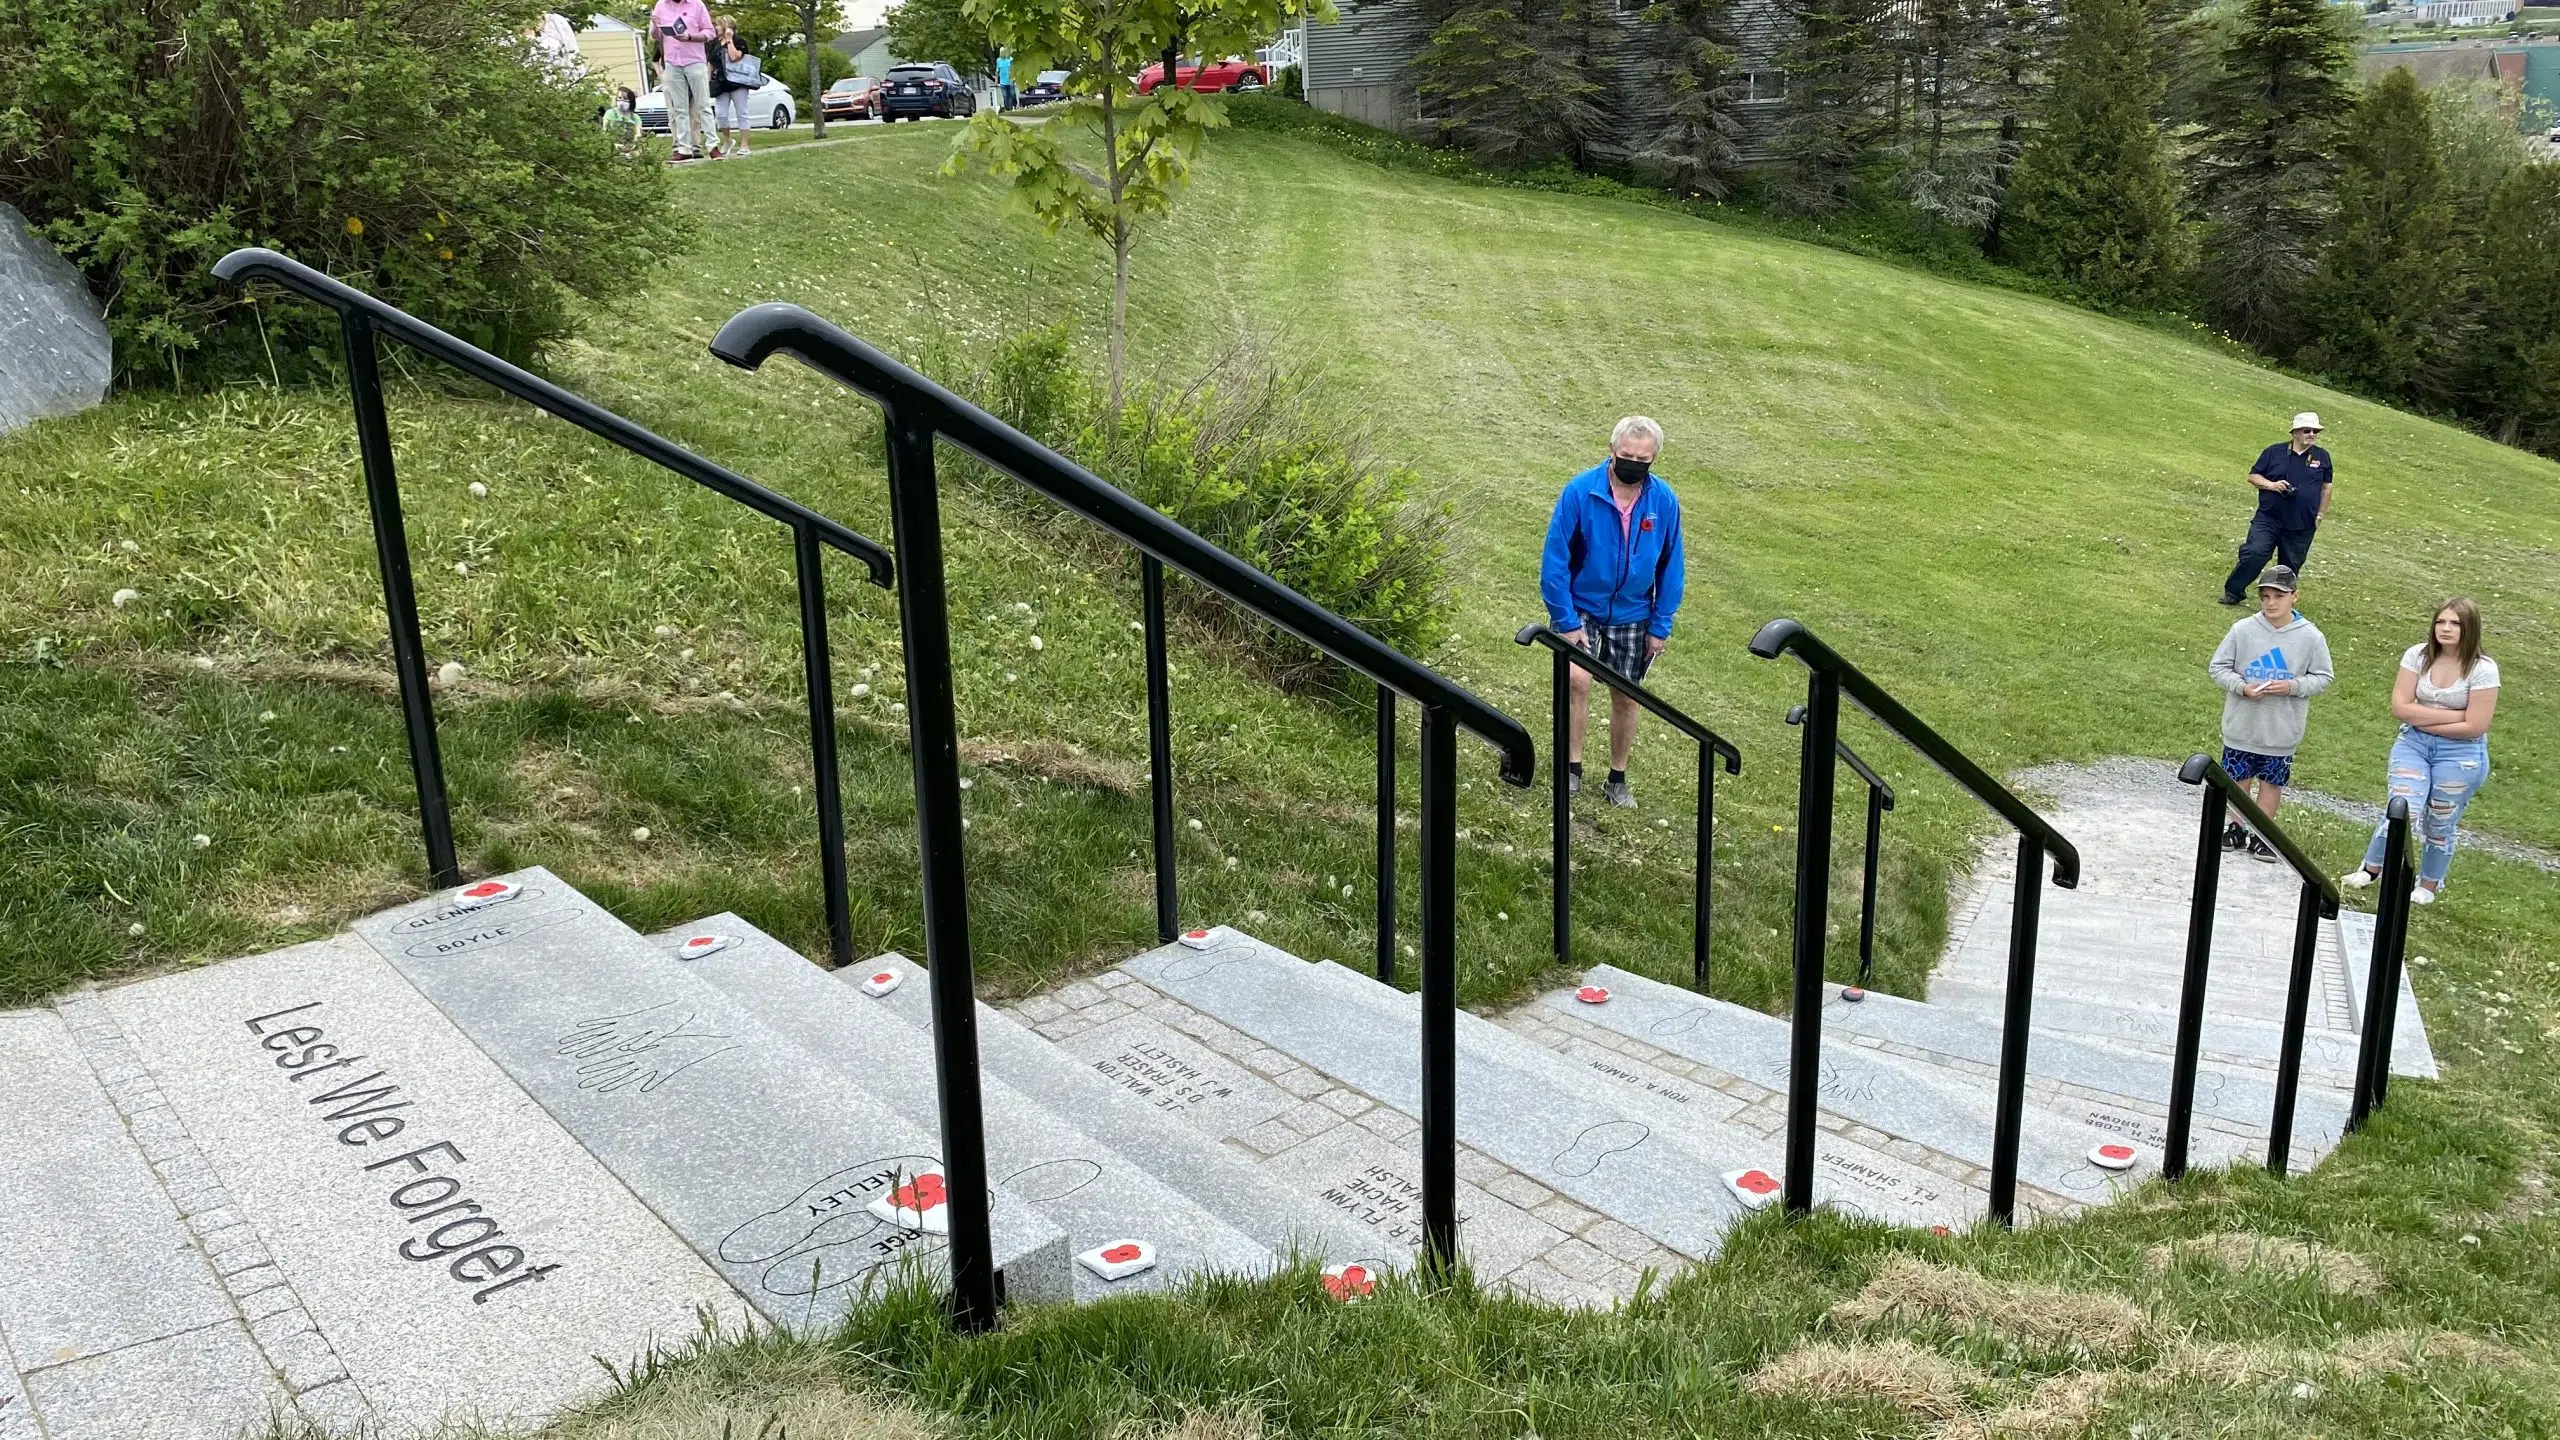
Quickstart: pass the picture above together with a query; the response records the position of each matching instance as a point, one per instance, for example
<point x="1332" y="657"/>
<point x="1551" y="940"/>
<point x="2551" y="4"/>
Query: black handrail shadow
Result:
<point x="1879" y="800"/>
<point x="2319" y="900"/>
<point x="362" y="320"/>
<point x="1829" y="675"/>
<point x="917" y="412"/>
<point x="1711" y="748"/>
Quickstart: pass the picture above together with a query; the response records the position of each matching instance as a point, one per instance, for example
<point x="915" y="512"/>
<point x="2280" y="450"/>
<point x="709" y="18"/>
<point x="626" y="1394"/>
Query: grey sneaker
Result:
<point x="1573" y="782"/>
<point x="1617" y="793"/>
<point x="2263" y="852"/>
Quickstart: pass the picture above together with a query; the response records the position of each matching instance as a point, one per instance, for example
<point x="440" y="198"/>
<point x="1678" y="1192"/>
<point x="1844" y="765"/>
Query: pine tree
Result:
<point x="1694" y="143"/>
<point x="2386" y="304"/>
<point x="1843" y="77"/>
<point x="2518" y="391"/>
<point x="2093" y="203"/>
<point x="1518" y="82"/>
<point x="2009" y="86"/>
<point x="2264" y="170"/>
<point x="1948" y="140"/>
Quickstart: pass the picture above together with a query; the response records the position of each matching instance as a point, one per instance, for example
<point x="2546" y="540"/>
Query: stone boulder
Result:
<point x="55" y="358"/>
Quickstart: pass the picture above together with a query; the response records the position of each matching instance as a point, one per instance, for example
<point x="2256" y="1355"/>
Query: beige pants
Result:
<point x="688" y="89"/>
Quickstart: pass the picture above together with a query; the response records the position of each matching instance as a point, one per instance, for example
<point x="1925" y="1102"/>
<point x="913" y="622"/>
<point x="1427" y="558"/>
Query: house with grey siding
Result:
<point x="1356" y="66"/>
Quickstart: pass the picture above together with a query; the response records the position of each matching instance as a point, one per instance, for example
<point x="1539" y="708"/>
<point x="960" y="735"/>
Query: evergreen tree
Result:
<point x="2386" y="304"/>
<point x="1694" y="145"/>
<point x="2093" y="202"/>
<point x="1843" y="78"/>
<point x="2009" y="85"/>
<point x="1948" y="138"/>
<point x="2518" y="387"/>
<point x="2264" y="169"/>
<point x="1519" y="82"/>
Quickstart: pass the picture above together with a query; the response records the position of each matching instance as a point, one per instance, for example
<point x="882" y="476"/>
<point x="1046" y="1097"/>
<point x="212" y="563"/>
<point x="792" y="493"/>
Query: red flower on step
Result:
<point x="1757" y="1182"/>
<point x="1592" y="995"/>
<point x="921" y="1194"/>
<point x="1125" y="1250"/>
<point x="1350" y="1282"/>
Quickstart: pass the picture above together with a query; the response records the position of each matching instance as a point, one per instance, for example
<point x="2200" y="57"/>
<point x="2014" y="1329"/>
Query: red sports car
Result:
<point x="1232" y="73"/>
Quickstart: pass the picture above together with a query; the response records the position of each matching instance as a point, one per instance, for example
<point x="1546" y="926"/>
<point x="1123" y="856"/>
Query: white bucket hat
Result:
<point x="2306" y="421"/>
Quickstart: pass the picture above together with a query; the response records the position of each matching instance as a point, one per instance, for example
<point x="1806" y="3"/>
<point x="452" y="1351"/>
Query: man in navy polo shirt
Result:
<point x="1612" y="575"/>
<point x="2293" y="482"/>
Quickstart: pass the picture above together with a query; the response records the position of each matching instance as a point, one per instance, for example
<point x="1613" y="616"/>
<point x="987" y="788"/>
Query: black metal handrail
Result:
<point x="917" y="413"/>
<point x="2383" y="967"/>
<point x="1879" y="800"/>
<point x="1829" y="675"/>
<point x="2319" y="900"/>
<point x="1711" y="748"/>
<point x="362" y="322"/>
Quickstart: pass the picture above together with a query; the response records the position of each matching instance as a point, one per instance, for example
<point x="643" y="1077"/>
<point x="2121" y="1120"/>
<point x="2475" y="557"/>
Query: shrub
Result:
<point x="1251" y="458"/>
<point x="413" y="149"/>
<point x="788" y="62"/>
<point x="1290" y="83"/>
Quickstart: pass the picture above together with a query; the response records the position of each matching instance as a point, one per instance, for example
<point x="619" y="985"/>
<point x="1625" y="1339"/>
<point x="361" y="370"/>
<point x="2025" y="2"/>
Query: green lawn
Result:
<point x="2011" y="512"/>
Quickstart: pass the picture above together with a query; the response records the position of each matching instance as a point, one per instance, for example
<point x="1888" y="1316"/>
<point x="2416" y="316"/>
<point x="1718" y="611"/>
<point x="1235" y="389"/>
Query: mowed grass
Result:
<point x="2010" y="512"/>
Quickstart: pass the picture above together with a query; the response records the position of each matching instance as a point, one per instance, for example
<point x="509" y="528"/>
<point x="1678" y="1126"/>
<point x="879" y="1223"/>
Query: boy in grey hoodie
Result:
<point x="2271" y="664"/>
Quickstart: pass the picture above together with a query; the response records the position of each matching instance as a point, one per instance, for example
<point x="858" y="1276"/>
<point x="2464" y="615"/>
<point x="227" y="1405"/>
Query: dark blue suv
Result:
<point x="911" y="92"/>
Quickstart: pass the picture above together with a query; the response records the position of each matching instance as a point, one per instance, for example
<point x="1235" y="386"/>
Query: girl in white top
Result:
<point x="2444" y="699"/>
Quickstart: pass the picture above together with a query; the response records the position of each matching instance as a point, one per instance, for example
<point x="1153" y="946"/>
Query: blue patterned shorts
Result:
<point x="1620" y="647"/>
<point x="2276" y="770"/>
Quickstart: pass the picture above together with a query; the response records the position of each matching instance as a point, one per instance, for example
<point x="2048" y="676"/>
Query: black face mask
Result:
<point x="1629" y="472"/>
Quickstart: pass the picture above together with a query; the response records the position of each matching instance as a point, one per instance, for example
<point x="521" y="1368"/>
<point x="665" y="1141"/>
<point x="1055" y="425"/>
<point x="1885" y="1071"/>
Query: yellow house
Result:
<point x="616" y="54"/>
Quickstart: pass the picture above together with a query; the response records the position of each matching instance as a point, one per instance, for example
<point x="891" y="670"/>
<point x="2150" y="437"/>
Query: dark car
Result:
<point x="855" y="97"/>
<point x="911" y="92"/>
<point x="1047" y="88"/>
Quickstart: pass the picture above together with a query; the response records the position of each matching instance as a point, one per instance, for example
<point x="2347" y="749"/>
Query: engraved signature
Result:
<point x="645" y="1048"/>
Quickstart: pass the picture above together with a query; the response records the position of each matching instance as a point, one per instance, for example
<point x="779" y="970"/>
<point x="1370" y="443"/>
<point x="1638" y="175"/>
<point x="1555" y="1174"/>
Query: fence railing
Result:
<point x="2383" y="968"/>
<point x="1829" y="676"/>
<point x="1879" y="800"/>
<point x="1711" y="749"/>
<point x="363" y="322"/>
<point x="918" y="412"/>
<point x="2319" y="900"/>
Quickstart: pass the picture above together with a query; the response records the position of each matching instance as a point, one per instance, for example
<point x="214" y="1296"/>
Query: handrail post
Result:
<point x="1386" y="836"/>
<point x="2386" y="996"/>
<point x="818" y="677"/>
<point x="2191" y="992"/>
<point x="1813" y="899"/>
<point x="1159" y="745"/>
<point x="1706" y="864"/>
<point x="2394" y="901"/>
<point x="2297" y="1013"/>
<point x="924" y="623"/>
<point x="1560" y="823"/>
<point x="399" y="594"/>
<point x="1439" y="990"/>
<point x="2018" y="1011"/>
<point x="1867" y="894"/>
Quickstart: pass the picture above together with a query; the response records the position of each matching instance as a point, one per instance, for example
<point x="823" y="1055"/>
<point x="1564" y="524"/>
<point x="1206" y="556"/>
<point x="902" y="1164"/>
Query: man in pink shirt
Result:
<point x="683" y="27"/>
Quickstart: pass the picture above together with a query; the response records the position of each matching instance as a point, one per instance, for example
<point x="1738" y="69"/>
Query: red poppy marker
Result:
<point x="881" y="982"/>
<point x="1119" y="1259"/>
<point x="1347" y="1283"/>
<point x="1198" y="939"/>
<point x="696" y="947"/>
<point x="1940" y="1230"/>
<point x="923" y="1203"/>
<point x="2112" y="1156"/>
<point x="1592" y="995"/>
<point x="1754" y="1188"/>
<point x="1852" y="994"/>
<point x="486" y="892"/>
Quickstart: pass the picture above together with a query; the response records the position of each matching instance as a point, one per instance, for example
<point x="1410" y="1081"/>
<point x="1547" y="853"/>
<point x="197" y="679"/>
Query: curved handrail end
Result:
<point x="2193" y="772"/>
<point x="750" y="337"/>
<point x="1528" y="635"/>
<point x="1775" y="637"/>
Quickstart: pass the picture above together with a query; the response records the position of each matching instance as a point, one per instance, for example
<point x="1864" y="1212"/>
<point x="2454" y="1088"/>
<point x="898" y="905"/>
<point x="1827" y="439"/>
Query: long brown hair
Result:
<point x="2465" y="614"/>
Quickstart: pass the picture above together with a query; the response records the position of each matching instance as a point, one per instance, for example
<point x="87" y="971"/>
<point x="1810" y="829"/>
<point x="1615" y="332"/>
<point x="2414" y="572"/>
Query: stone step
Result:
<point x="2122" y="1091"/>
<point x="1866" y="1175"/>
<point x="2229" y="1041"/>
<point x="108" y="1305"/>
<point x="1134" y="1103"/>
<point x="1946" y="1111"/>
<point x="407" y="1235"/>
<point x="1556" y="1135"/>
<point x="760" y="1156"/>
<point x="2411" y="1054"/>
<point x="1086" y="1188"/>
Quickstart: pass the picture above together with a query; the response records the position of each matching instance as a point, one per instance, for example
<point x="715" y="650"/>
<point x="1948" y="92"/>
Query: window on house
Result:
<point x="1763" y="86"/>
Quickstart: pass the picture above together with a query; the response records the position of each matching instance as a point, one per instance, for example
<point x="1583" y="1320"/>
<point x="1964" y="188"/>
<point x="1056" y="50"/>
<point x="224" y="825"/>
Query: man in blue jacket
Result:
<point x="1614" y="572"/>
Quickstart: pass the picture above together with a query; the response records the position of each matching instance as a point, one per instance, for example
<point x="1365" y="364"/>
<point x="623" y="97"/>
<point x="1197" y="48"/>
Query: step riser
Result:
<point x="2227" y="1039"/>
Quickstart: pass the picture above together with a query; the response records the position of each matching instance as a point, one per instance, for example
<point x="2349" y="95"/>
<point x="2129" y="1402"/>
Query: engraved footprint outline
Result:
<point x="841" y="1262"/>
<point x="1597" y="1143"/>
<point x="832" y="1206"/>
<point x="1199" y="964"/>
<point x="1681" y="1023"/>
<point x="1046" y="1182"/>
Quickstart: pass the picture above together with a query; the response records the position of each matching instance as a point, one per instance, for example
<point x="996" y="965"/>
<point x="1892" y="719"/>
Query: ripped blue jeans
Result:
<point x="2437" y="777"/>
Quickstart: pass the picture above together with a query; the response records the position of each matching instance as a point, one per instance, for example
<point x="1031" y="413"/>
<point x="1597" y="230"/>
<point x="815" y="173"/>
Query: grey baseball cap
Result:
<point x="2280" y="577"/>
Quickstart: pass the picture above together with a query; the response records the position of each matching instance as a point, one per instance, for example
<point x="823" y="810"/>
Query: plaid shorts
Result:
<point x="1620" y="647"/>
<point x="2276" y="770"/>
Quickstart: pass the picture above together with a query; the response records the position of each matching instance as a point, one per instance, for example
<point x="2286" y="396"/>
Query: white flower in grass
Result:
<point x="266" y="717"/>
<point x="449" y="674"/>
<point x="462" y="568"/>
<point x="1346" y="892"/>
<point x="479" y="491"/>
<point x="128" y="547"/>
<point x="1021" y="607"/>
<point x="1501" y="914"/>
<point x="1254" y="917"/>
<point x="1038" y="644"/>
<point x="1195" y="824"/>
<point x="640" y="833"/>
<point x="1008" y="677"/>
<point x="122" y="598"/>
<point x="1139" y="625"/>
<point x="134" y="929"/>
<point x="202" y="841"/>
<point x="964" y="822"/>
<point x="965" y="782"/>
<point x="897" y="707"/>
<point x="1234" y="861"/>
<point x="203" y="662"/>
<point x="859" y="691"/>
<point x="685" y="654"/>
<point x="667" y="632"/>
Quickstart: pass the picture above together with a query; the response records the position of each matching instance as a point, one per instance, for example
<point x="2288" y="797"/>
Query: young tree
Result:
<point x="1145" y="143"/>
<point x="1695" y="145"/>
<point x="2518" y="391"/>
<point x="2264" y="169"/>
<point x="2385" y="306"/>
<point x="2093" y="203"/>
<point x="1843" y="76"/>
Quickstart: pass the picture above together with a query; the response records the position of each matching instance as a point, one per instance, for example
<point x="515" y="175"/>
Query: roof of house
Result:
<point x="854" y="42"/>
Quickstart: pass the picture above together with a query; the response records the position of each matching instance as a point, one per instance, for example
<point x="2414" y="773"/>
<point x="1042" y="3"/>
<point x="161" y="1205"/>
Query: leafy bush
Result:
<point x="788" y="62"/>
<point x="1290" y="83"/>
<point x="1250" y="457"/>
<point x="413" y="149"/>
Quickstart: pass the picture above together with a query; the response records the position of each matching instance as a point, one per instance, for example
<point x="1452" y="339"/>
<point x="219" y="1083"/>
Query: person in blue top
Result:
<point x="1614" y="571"/>
<point x="2293" y="481"/>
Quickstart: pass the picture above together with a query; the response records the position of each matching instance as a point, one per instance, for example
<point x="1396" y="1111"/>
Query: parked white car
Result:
<point x="771" y="107"/>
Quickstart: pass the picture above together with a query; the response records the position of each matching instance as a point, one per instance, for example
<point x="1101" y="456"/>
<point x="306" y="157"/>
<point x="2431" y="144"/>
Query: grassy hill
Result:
<point x="2012" y="512"/>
